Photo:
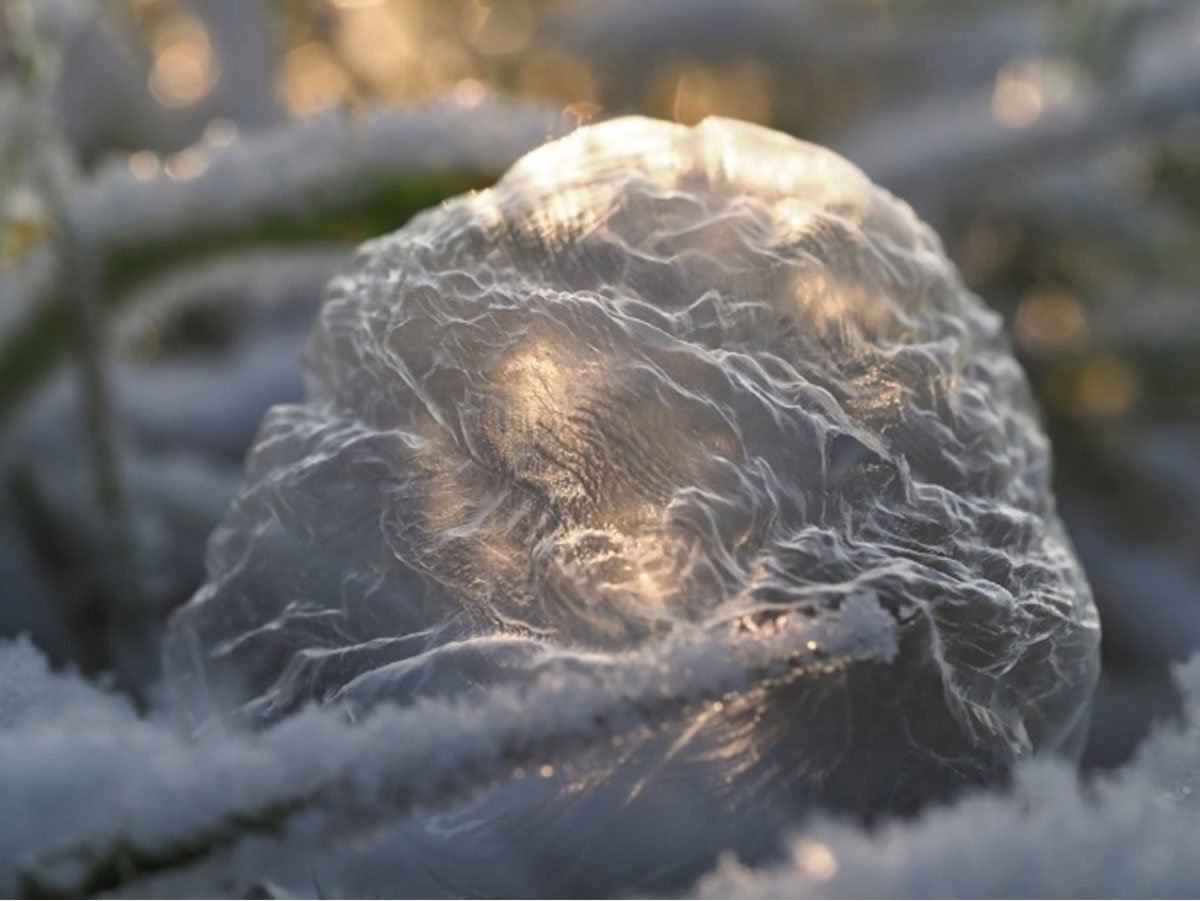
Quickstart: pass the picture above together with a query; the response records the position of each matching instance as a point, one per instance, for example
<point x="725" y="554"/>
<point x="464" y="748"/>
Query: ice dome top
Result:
<point x="695" y="424"/>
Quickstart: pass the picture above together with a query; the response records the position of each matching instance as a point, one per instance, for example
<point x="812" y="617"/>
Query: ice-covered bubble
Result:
<point x="699" y="426"/>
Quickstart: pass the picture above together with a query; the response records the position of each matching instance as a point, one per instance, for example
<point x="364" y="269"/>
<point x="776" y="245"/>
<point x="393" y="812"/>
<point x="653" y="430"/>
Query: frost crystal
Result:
<point x="700" y="402"/>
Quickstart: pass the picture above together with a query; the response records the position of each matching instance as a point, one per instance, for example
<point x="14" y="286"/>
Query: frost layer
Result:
<point x="662" y="387"/>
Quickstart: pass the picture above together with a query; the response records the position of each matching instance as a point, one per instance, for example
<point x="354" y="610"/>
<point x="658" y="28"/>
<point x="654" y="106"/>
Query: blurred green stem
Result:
<point x="80" y="280"/>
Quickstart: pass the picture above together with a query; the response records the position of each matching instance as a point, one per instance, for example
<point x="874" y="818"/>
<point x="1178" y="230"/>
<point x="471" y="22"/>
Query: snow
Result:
<point x="85" y="777"/>
<point x="1129" y="834"/>
<point x="291" y="173"/>
<point x="82" y="770"/>
<point x="33" y="697"/>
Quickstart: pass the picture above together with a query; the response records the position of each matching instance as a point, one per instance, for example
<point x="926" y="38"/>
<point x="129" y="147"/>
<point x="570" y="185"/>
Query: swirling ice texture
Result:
<point x="659" y="385"/>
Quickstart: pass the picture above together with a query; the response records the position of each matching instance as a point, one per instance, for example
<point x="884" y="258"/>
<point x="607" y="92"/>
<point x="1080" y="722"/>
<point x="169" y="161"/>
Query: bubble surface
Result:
<point x="695" y="437"/>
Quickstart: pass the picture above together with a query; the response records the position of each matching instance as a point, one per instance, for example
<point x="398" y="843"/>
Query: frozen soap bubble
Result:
<point x="697" y="425"/>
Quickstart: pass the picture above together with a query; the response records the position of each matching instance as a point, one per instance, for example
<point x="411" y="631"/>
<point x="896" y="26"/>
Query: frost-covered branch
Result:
<point x="337" y="177"/>
<point x="936" y="152"/>
<point x="167" y="815"/>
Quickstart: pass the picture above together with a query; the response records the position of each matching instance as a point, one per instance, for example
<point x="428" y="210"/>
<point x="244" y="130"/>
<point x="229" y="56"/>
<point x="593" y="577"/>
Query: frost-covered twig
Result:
<point x="939" y="153"/>
<point x="336" y="177"/>
<point x="430" y="754"/>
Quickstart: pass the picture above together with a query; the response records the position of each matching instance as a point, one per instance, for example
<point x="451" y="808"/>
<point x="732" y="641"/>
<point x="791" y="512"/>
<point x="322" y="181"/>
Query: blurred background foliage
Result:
<point x="179" y="178"/>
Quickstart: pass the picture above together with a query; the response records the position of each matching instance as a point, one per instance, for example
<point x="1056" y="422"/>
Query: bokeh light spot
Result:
<point x="1049" y="320"/>
<point x="185" y="68"/>
<point x="312" y="79"/>
<point x="1106" y="387"/>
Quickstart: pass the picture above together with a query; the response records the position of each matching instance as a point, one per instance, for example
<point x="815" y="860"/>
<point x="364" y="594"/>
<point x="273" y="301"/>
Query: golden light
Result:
<point x="377" y="41"/>
<point x="1051" y="321"/>
<point x="1016" y="99"/>
<point x="144" y="165"/>
<point x="689" y="92"/>
<point x="990" y="243"/>
<point x="554" y="74"/>
<point x="140" y="8"/>
<point x="497" y="29"/>
<point x="24" y="224"/>
<point x="443" y="64"/>
<point x="1027" y="89"/>
<point x="582" y="111"/>
<point x="220" y="133"/>
<point x="469" y="93"/>
<point x="817" y="860"/>
<point x="187" y="164"/>
<point x="185" y="69"/>
<point x="311" y="79"/>
<point x="1106" y="387"/>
